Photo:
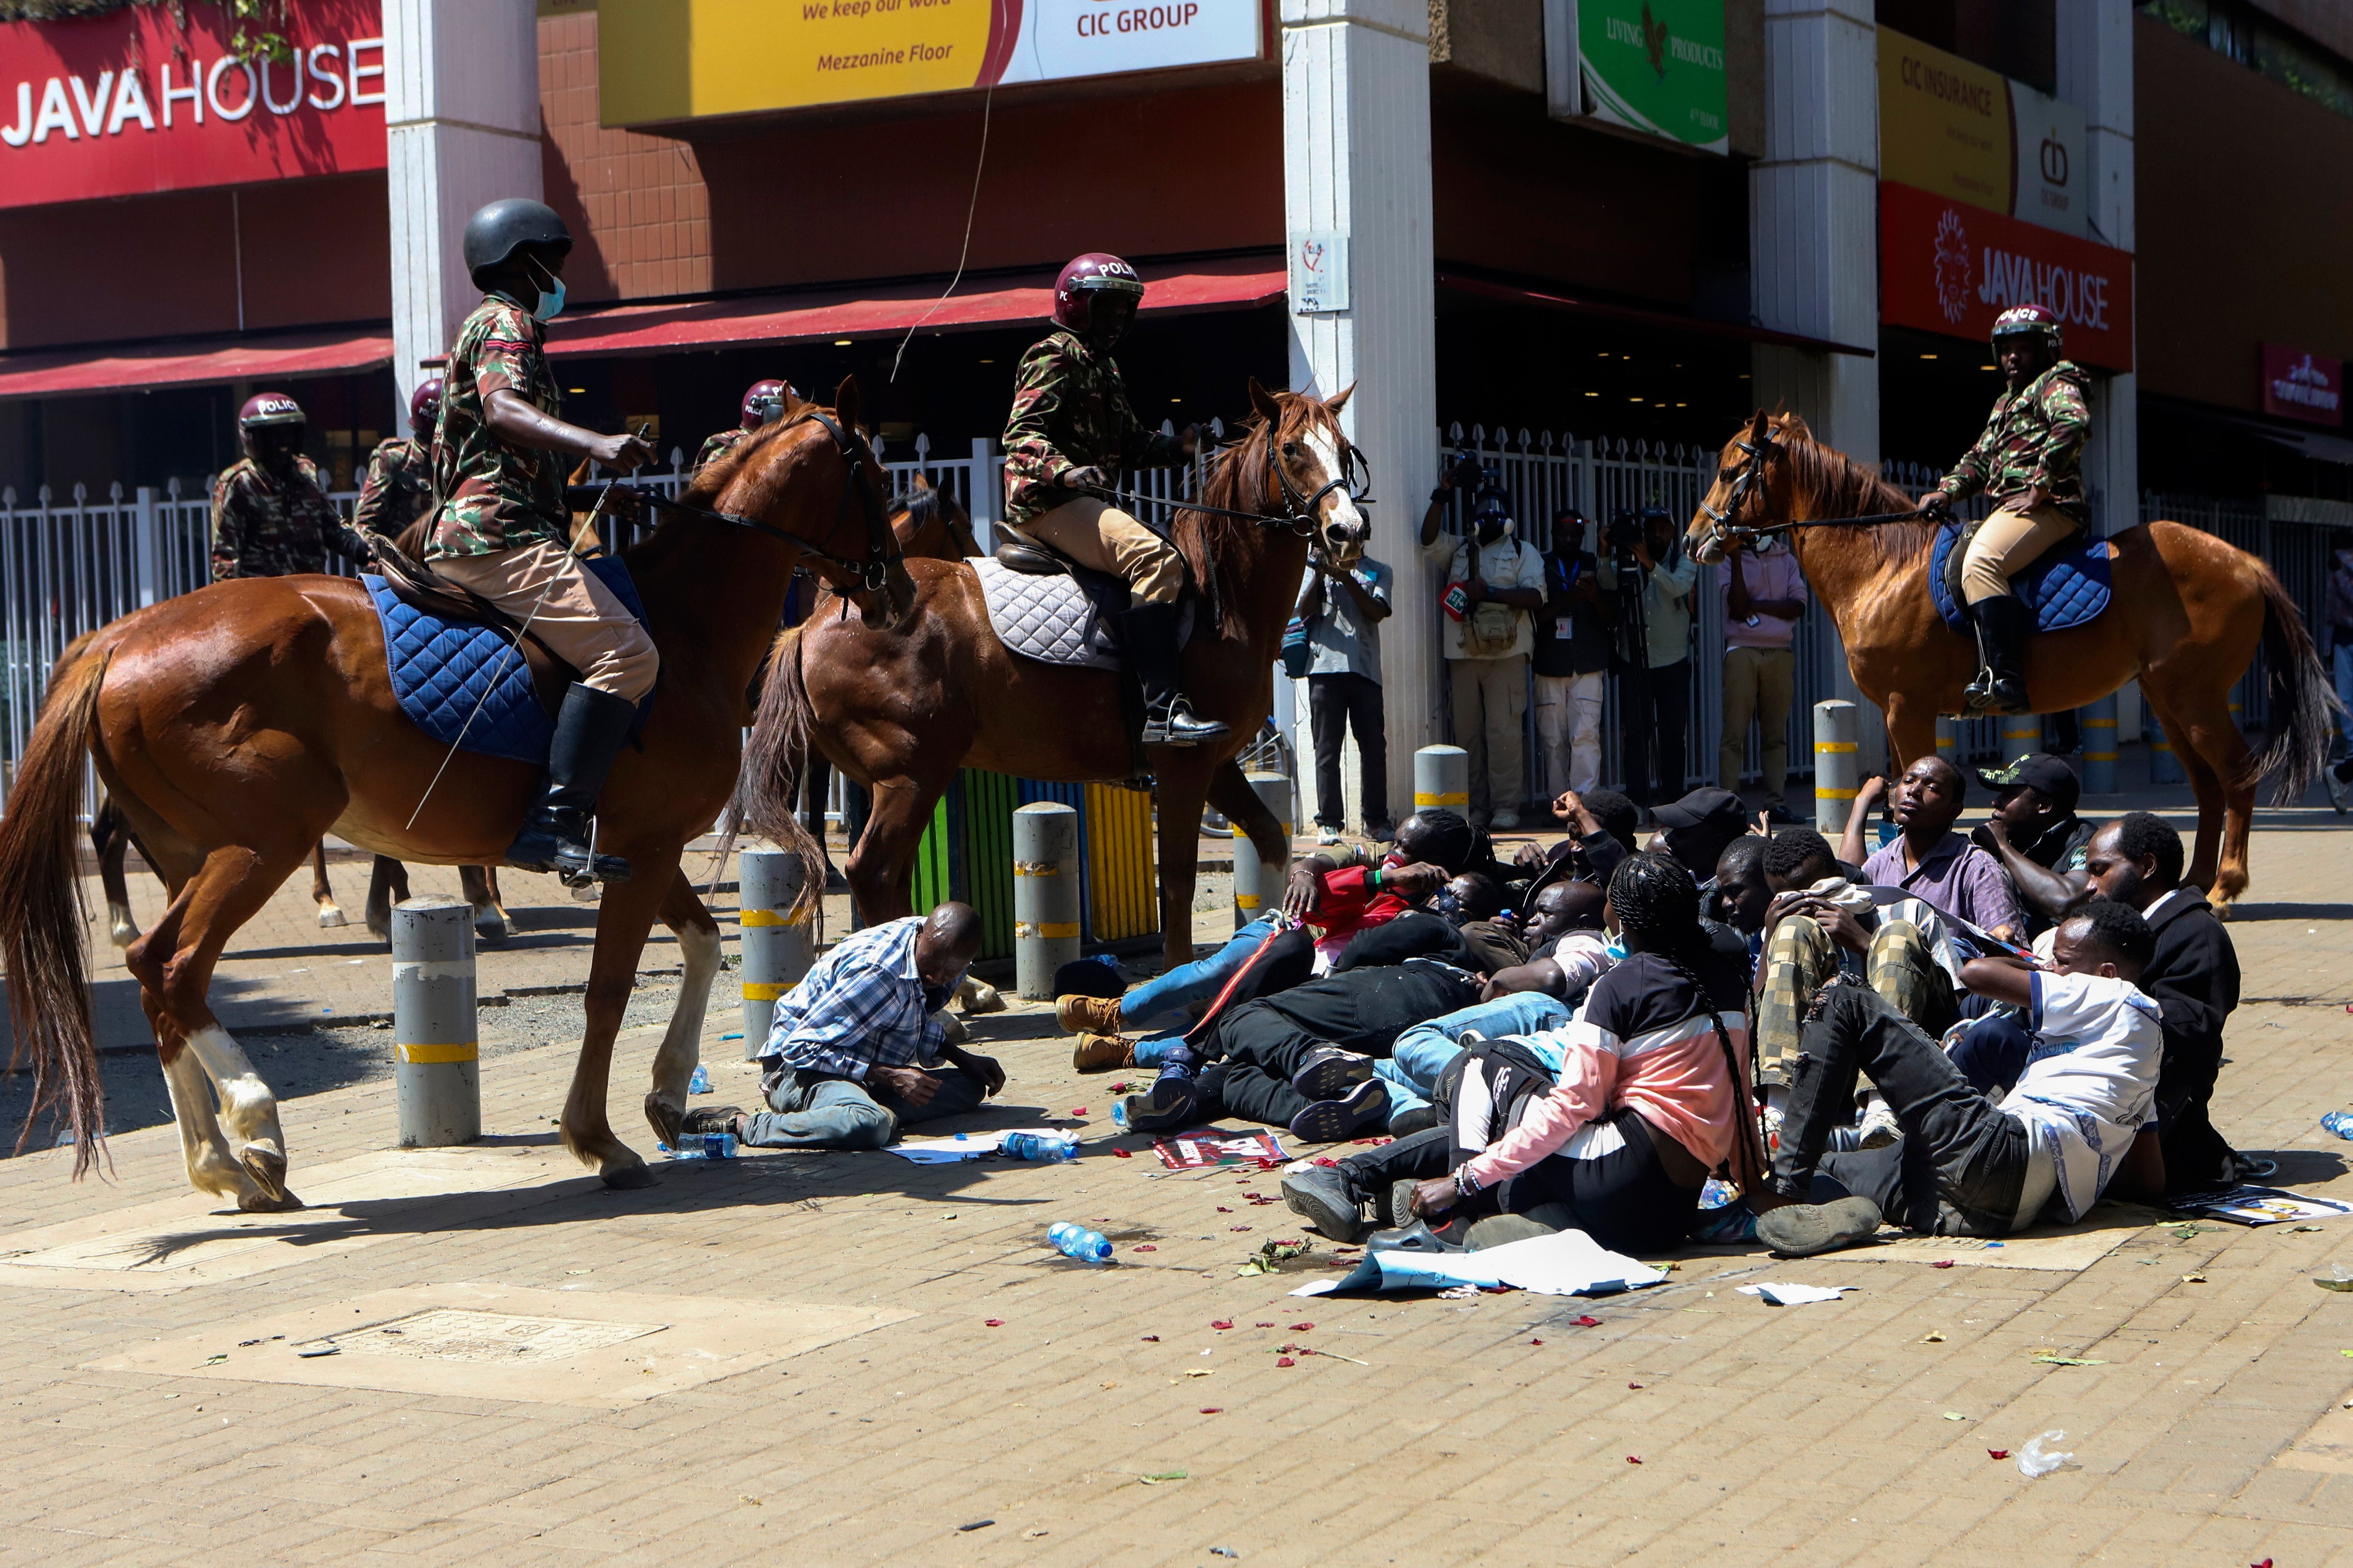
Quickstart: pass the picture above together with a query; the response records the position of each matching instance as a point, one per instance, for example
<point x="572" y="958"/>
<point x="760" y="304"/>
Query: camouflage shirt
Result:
<point x="399" y="487"/>
<point x="266" y="527"/>
<point x="2034" y="439"/>
<point x="718" y="445"/>
<point x="1070" y="411"/>
<point x="495" y="497"/>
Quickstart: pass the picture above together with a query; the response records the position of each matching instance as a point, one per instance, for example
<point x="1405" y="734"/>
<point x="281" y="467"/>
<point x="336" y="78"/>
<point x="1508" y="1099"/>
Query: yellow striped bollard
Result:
<point x="775" y="945"/>
<point x="2099" y="724"/>
<point x="1045" y="896"/>
<point x="1258" y="887"/>
<point x="437" y="1076"/>
<point x="1838" y="764"/>
<point x="1441" y="776"/>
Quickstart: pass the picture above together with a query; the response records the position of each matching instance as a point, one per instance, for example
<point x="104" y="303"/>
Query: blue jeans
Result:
<point x="809" y="1112"/>
<point x="1190" y="983"/>
<point x="1422" y="1052"/>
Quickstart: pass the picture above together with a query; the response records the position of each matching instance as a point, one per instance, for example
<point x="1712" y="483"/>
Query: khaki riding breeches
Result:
<point x="579" y="617"/>
<point x="2007" y="543"/>
<point x="1098" y="535"/>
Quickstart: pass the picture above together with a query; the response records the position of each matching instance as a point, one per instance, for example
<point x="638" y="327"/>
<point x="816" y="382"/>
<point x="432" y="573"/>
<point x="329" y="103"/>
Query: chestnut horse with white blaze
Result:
<point x="236" y="724"/>
<point x="2187" y="613"/>
<point x="900" y="711"/>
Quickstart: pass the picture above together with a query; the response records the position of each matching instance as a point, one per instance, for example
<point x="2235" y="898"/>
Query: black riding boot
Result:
<point x="2002" y="623"/>
<point x="1148" y="634"/>
<point x="589" y="730"/>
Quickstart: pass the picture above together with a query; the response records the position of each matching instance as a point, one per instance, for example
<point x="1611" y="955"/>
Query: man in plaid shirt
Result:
<point x="858" y="1049"/>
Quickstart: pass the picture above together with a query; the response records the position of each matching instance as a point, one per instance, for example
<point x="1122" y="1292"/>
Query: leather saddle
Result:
<point x="417" y="585"/>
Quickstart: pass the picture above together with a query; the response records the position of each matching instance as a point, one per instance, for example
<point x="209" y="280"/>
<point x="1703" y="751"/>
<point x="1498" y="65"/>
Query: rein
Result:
<point x="871" y="574"/>
<point x="1759" y="445"/>
<point x="1301" y="516"/>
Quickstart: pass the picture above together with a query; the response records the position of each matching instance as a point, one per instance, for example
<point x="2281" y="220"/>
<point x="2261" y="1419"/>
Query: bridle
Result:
<point x="1759" y="445"/>
<point x="869" y="575"/>
<point x="1299" y="514"/>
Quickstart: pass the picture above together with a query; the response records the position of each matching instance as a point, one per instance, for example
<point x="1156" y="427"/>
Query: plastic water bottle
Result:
<point x="2340" y="1122"/>
<point x="1076" y="1241"/>
<point x="705" y="1146"/>
<point x="700" y="1082"/>
<point x="1041" y="1146"/>
<point x="2036" y="1461"/>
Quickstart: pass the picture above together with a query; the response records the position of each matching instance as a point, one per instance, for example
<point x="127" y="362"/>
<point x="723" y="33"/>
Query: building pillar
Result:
<point x="461" y="117"/>
<point x="1355" y="134"/>
<point x="2096" y="74"/>
<point x="1813" y="226"/>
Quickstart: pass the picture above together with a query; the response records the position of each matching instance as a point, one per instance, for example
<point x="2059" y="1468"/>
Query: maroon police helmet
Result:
<point x="264" y="408"/>
<point x="2030" y="321"/>
<point x="424" y="408"/>
<point x="763" y="401"/>
<point x="1095" y="273"/>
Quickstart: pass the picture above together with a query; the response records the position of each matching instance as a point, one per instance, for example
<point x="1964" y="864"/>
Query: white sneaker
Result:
<point x="1327" y="834"/>
<point x="1504" y="821"/>
<point x="1879" y="1126"/>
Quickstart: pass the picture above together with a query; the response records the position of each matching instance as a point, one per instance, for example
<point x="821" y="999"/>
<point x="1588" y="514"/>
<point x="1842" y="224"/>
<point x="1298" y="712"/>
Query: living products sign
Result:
<point x="664" y="60"/>
<point x="1951" y="267"/>
<point x="132" y="101"/>
<point x="1656" y="66"/>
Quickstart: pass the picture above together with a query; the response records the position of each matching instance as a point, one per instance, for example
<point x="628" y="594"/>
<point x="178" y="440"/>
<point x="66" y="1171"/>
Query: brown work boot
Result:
<point x="1102" y="1053"/>
<point x="1083" y="1014"/>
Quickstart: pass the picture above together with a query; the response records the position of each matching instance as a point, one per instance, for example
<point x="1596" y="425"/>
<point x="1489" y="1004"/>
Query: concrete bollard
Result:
<point x="2099" y="726"/>
<point x="1948" y="738"/>
<point x="436" y="1075"/>
<point x="775" y="950"/>
<point x="1838" y="764"/>
<point x="1045" y="896"/>
<point x="2022" y="735"/>
<point x="1258" y="887"/>
<point x="1441" y="776"/>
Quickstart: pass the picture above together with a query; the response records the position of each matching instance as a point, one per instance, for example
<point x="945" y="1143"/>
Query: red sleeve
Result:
<point x="1351" y="902"/>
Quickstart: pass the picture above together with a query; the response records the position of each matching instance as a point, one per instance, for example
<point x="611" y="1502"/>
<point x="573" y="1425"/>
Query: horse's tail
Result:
<point x="770" y="787"/>
<point x="2302" y="704"/>
<point x="42" y="927"/>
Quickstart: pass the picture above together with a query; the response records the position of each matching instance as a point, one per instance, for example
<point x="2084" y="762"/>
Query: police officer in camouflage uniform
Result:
<point x="399" y="487"/>
<point x="763" y="401"/>
<point x="2029" y="461"/>
<point x="502" y="523"/>
<point x="1073" y="432"/>
<point x="271" y="516"/>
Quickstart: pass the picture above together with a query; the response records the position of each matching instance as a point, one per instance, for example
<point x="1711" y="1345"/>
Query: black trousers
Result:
<point x="1960" y="1167"/>
<point x="1655" y="730"/>
<point x="1362" y="1010"/>
<point x="1334" y="703"/>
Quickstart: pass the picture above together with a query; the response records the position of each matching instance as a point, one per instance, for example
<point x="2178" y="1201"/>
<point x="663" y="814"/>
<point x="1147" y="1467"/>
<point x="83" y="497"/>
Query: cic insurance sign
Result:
<point x="1948" y="266"/>
<point x="131" y="101"/>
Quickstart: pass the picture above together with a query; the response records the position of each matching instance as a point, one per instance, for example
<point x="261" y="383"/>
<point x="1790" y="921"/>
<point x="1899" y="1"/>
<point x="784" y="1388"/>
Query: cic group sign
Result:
<point x="132" y="101"/>
<point x="1948" y="266"/>
<point x="662" y="60"/>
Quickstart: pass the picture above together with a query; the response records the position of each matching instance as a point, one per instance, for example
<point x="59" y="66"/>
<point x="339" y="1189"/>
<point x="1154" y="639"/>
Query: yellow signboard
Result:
<point x="1944" y="124"/>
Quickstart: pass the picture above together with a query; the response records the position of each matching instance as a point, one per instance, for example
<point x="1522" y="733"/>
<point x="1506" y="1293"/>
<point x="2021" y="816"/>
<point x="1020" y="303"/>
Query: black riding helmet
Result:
<point x="496" y="232"/>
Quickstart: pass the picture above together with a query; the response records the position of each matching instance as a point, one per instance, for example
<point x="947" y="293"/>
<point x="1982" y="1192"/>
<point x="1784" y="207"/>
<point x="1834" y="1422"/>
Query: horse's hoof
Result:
<point x="267" y="1166"/>
<point x="493" y="927"/>
<point x="630" y="1178"/>
<point x="329" y="917"/>
<point x="122" y="929"/>
<point x="669" y="1121"/>
<point x="262" y="1203"/>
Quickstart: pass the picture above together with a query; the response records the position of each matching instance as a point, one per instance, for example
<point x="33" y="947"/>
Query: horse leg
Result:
<point x="211" y="1167"/>
<point x="2214" y="754"/>
<point x="681" y="1044"/>
<point x="331" y="915"/>
<point x="481" y="886"/>
<point x="881" y="867"/>
<point x="1184" y="784"/>
<point x="174" y="964"/>
<point x="109" y="836"/>
<point x="388" y="886"/>
<point x="624" y="915"/>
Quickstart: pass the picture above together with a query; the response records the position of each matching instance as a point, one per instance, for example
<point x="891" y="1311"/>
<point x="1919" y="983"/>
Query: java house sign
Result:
<point x="1948" y="266"/>
<point x="132" y="101"/>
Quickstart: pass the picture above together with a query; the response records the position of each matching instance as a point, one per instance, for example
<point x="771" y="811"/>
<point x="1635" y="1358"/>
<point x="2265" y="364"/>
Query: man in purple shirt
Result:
<point x="1764" y="594"/>
<point x="1926" y="858"/>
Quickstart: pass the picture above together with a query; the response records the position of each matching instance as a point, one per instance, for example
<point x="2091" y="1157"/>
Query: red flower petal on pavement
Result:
<point x="1300" y="1327"/>
<point x="1264" y="1325"/>
<point x="1588" y="1322"/>
<point x="1633" y="1458"/>
<point x="1147" y="1246"/>
<point x="2267" y="1562"/>
<point x="1213" y="1410"/>
<point x="1223" y="1209"/>
<point x="1152" y="1339"/>
<point x="1633" y="1385"/>
<point x="1942" y="1263"/>
<point x="1121" y="1154"/>
<point x="1998" y="1453"/>
<point x="1284" y="1360"/>
<point x="1325" y="1160"/>
<point x="1221" y="1323"/>
<point x="1078" y="1110"/>
<point x="1237" y="1228"/>
<point x="996" y="1323"/>
<point x="1535" y="1342"/>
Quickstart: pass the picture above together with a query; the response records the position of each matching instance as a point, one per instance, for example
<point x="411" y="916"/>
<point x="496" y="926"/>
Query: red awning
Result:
<point x="882" y="312"/>
<point x="1488" y="289"/>
<point x="67" y="372"/>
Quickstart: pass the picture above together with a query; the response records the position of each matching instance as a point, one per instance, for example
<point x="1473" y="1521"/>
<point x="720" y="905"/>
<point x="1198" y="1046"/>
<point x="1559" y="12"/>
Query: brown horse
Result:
<point x="236" y="724"/>
<point x="900" y="712"/>
<point x="2188" y="614"/>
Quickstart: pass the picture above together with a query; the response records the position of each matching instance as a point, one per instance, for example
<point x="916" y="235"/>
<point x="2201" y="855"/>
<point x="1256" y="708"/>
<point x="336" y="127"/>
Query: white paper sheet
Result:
<point x="1794" y="1295"/>
<point x="1567" y="1262"/>
<point x="971" y="1146"/>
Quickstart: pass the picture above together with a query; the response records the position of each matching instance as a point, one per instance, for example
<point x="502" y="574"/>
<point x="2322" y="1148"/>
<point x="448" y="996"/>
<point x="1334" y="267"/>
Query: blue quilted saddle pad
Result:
<point x="2067" y="587"/>
<point x="441" y="671"/>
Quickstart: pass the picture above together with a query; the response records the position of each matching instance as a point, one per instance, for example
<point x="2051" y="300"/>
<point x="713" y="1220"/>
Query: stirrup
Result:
<point x="1176" y="725"/>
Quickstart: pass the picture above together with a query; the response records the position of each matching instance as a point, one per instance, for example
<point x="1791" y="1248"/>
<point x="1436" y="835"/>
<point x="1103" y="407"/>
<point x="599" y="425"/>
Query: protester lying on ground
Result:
<point x="1430" y="846"/>
<point x="858" y="1049"/>
<point x="1601" y="824"/>
<point x="2036" y="835"/>
<point x="2079" y="1119"/>
<point x="1567" y="948"/>
<point x="1464" y="925"/>
<point x="1648" y="1099"/>
<point x="1927" y="859"/>
<point x="1696" y="829"/>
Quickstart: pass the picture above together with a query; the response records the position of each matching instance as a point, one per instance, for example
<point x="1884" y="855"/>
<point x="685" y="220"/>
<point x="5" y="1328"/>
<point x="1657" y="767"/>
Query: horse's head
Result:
<point x="1318" y="473"/>
<point x="1747" y="493"/>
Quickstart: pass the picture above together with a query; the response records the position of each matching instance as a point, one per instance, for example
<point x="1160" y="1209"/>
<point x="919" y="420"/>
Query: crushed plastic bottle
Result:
<point x="700" y="1082"/>
<point x="704" y="1146"/>
<point x="2340" y="1122"/>
<point x="1716" y="1191"/>
<point x="1046" y="1147"/>
<point x="2036" y="1461"/>
<point x="1077" y="1241"/>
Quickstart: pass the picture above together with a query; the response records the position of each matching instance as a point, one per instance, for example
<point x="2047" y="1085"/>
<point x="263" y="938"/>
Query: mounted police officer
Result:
<point x="2029" y="461"/>
<point x="1073" y="432"/>
<point x="271" y="516"/>
<point x="763" y="401"/>
<point x="399" y="487"/>
<point x="503" y="524"/>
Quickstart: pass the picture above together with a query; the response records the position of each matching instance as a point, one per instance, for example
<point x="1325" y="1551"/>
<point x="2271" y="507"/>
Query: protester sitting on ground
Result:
<point x="2080" y="1116"/>
<point x="1695" y="829"/>
<point x="1650" y="1098"/>
<point x="859" y="1048"/>
<point x="2036" y="835"/>
<point x="1738" y="894"/>
<point x="1927" y="859"/>
<point x="1601" y="824"/>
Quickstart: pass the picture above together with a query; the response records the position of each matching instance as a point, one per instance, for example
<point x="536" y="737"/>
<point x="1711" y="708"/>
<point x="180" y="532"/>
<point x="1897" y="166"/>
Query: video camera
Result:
<point x="1470" y="475"/>
<point x="1624" y="531"/>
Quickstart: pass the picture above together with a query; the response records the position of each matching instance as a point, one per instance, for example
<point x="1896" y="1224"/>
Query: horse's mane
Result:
<point x="1837" y="486"/>
<point x="708" y="484"/>
<point x="1228" y="546"/>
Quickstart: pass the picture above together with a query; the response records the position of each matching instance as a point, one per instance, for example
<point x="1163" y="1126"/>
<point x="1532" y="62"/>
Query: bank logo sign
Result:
<point x="1656" y="66"/>
<point x="1957" y="129"/>
<point x="1950" y="268"/>
<point x="662" y="60"/>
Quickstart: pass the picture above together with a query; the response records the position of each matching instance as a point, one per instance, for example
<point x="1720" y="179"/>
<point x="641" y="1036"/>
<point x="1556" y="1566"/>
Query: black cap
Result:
<point x="1712" y="807"/>
<point x="2042" y="773"/>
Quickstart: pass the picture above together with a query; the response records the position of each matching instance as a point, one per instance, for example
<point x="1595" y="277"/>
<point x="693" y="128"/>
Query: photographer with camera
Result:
<point x="1492" y="581"/>
<point x="1645" y="565"/>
